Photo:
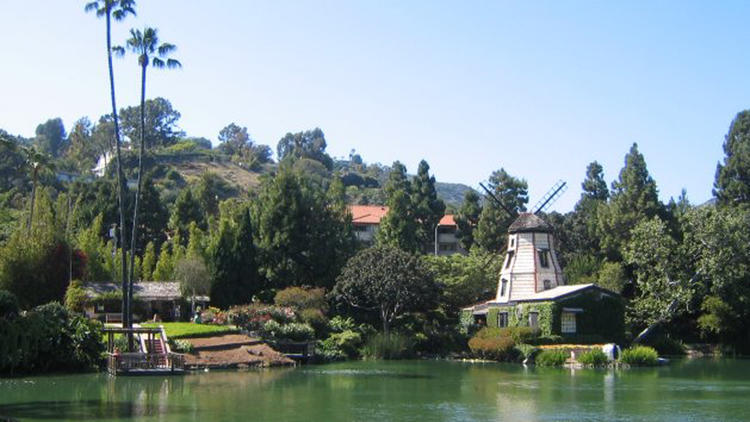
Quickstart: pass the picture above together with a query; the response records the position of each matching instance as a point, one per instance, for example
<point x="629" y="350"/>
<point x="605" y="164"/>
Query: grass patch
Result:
<point x="593" y="357"/>
<point x="640" y="356"/>
<point x="177" y="330"/>
<point x="552" y="357"/>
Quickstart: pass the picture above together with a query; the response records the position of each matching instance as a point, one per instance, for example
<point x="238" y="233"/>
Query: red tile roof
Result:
<point x="372" y="214"/>
<point x="367" y="214"/>
<point x="447" y="220"/>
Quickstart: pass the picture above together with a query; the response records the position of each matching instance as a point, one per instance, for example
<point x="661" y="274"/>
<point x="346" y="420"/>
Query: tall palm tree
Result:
<point x="119" y="10"/>
<point x="37" y="162"/>
<point x="146" y="45"/>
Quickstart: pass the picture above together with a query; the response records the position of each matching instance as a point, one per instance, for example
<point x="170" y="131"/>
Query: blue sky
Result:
<point x="539" y="88"/>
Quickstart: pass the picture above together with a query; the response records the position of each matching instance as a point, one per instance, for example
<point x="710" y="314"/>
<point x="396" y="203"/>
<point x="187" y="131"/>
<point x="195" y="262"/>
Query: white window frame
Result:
<point x="568" y="322"/>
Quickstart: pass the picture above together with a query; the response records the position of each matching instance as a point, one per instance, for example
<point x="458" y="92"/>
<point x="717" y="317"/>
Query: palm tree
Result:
<point x="37" y="162"/>
<point x="146" y="45"/>
<point x="119" y="10"/>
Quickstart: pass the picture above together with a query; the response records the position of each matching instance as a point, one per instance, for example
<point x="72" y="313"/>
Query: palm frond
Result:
<point x="172" y="63"/>
<point x="157" y="63"/>
<point x="166" y="48"/>
<point x="118" y="50"/>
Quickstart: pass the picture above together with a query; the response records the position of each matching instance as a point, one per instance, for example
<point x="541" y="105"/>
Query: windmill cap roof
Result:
<point x="528" y="222"/>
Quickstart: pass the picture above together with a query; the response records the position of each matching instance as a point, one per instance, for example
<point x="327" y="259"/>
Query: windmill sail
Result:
<point x="550" y="197"/>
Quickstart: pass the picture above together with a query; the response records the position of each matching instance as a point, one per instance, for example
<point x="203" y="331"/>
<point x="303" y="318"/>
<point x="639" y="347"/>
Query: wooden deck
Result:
<point x="150" y="354"/>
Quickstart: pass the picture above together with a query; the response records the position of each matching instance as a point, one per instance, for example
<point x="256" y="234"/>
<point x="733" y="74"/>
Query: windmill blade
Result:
<point x="552" y="195"/>
<point x="510" y="212"/>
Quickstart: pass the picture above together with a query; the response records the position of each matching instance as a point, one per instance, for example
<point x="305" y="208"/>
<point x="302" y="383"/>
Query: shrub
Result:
<point x="253" y="317"/>
<point x="593" y="357"/>
<point x="293" y="331"/>
<point x="495" y="348"/>
<point x="214" y="316"/>
<point x="666" y="345"/>
<point x="8" y="304"/>
<point x="300" y="298"/>
<point x="182" y="346"/>
<point x="552" y="357"/>
<point x="391" y="346"/>
<point x="518" y="334"/>
<point x="316" y="319"/>
<point x="552" y="339"/>
<point x="339" y="346"/>
<point x="527" y="351"/>
<point x="75" y="297"/>
<point x="640" y="356"/>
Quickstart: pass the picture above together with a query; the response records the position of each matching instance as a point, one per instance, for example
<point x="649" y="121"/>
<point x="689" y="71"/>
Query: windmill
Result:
<point x="530" y="265"/>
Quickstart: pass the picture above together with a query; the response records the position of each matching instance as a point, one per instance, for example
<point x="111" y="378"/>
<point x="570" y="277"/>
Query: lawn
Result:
<point x="190" y="329"/>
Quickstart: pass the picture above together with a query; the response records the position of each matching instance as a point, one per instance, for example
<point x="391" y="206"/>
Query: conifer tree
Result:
<point x="427" y="208"/>
<point x="186" y="210"/>
<point x="492" y="230"/>
<point x="398" y="228"/>
<point x="732" y="183"/>
<point x="467" y="219"/>
<point x="149" y="262"/>
<point x="165" y="264"/>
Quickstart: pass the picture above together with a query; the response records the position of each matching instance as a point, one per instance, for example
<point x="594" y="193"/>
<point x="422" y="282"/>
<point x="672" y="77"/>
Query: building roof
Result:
<point x="556" y="293"/>
<point x="447" y="220"/>
<point x="529" y="222"/>
<point x="367" y="214"/>
<point x="144" y="290"/>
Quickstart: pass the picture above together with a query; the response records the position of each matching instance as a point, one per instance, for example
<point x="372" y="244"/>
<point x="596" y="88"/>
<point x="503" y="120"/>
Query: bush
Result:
<point x="552" y="357"/>
<point x="214" y="316"/>
<point x="48" y="339"/>
<point x="518" y="334"/>
<point x="316" y="319"/>
<point x="254" y="316"/>
<point x="593" y="357"/>
<point x="75" y="297"/>
<point x="640" y="356"/>
<point x="392" y="346"/>
<point x="300" y="298"/>
<point x="182" y="346"/>
<point x="666" y="345"/>
<point x="293" y="331"/>
<point x="527" y="351"/>
<point x="8" y="304"/>
<point x="494" y="348"/>
<point x="340" y="346"/>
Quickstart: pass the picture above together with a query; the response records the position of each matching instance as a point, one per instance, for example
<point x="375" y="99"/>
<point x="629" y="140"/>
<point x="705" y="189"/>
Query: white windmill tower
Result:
<point x="530" y="265"/>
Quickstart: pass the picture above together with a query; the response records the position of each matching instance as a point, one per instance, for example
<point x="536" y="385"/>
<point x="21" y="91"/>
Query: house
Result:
<point x="366" y="219"/>
<point x="163" y="298"/>
<point x="531" y="291"/>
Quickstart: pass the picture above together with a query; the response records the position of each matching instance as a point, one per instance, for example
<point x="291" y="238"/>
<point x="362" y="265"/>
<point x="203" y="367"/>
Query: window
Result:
<point x="502" y="319"/>
<point x="512" y="242"/>
<point x="533" y="319"/>
<point x="547" y="284"/>
<point x="503" y="287"/>
<point x="568" y="323"/>
<point x="543" y="261"/>
<point x="510" y="258"/>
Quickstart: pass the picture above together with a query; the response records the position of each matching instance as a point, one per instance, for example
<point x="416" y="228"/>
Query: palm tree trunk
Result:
<point x="134" y="233"/>
<point x="33" y="197"/>
<point x="120" y="185"/>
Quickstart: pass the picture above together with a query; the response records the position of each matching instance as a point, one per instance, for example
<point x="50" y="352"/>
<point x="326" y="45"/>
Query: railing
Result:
<point x="124" y="363"/>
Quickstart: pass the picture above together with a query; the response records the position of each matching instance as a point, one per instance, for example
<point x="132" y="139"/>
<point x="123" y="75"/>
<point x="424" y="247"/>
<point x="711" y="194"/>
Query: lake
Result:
<point x="687" y="390"/>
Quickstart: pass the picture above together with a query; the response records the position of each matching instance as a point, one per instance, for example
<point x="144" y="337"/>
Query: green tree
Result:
<point x="149" y="262"/>
<point x="309" y="144"/>
<point x="186" y="210"/>
<point x="732" y="182"/>
<point x="81" y="150"/>
<point x="387" y="281"/>
<point x="165" y="265"/>
<point x="492" y="230"/>
<point x="119" y="10"/>
<point x="153" y="216"/>
<point x="467" y="219"/>
<point x="160" y="122"/>
<point x="194" y="278"/>
<point x="234" y="139"/>
<point x="427" y="208"/>
<point x="90" y="242"/>
<point x="398" y="228"/>
<point x="466" y="279"/>
<point x="303" y="240"/>
<point x="634" y="199"/>
<point x="51" y="138"/>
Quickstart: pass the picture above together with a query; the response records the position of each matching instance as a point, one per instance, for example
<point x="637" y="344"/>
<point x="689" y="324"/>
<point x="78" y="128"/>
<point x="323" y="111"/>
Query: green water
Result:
<point x="690" y="390"/>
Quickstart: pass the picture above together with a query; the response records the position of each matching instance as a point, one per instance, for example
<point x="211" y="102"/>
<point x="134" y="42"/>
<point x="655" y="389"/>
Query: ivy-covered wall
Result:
<point x="602" y="317"/>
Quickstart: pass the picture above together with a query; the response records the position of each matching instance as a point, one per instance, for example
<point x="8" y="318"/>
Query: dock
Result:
<point x="151" y="354"/>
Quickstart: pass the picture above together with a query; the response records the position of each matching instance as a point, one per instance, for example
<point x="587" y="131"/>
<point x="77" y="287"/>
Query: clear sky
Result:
<point x="540" y="88"/>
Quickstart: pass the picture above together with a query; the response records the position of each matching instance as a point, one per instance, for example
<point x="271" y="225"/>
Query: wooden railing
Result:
<point x="123" y="363"/>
